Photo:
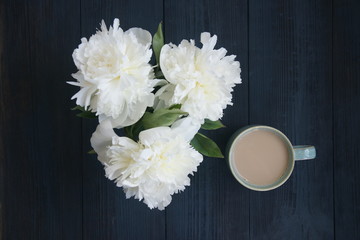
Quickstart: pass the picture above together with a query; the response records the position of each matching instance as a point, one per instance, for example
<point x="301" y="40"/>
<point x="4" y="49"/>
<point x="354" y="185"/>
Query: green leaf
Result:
<point x="212" y="125"/>
<point x="92" y="151"/>
<point x="161" y="117"/>
<point x="129" y="131"/>
<point x="206" y="146"/>
<point x="158" y="42"/>
<point x="86" y="114"/>
<point x="138" y="127"/>
<point x="134" y="130"/>
<point x="159" y="74"/>
<point x="175" y="106"/>
<point x="78" y="108"/>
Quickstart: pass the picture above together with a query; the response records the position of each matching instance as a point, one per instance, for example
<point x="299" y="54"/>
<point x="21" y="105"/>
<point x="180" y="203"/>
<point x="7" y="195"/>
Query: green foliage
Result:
<point x="175" y="106"/>
<point x="77" y="107"/>
<point x="158" y="43"/>
<point x="158" y="118"/>
<point x="92" y="151"/>
<point x="158" y="73"/>
<point x="162" y="117"/>
<point x="134" y="130"/>
<point x="206" y="146"/>
<point x="212" y="125"/>
<point x="84" y="113"/>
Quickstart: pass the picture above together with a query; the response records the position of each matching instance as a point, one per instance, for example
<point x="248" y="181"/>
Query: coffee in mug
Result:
<point x="262" y="158"/>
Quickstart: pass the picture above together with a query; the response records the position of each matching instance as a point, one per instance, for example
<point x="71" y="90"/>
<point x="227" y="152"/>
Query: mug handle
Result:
<point x="304" y="152"/>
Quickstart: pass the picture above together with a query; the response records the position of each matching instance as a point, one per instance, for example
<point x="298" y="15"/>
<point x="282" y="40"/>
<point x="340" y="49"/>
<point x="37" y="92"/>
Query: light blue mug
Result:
<point x="302" y="152"/>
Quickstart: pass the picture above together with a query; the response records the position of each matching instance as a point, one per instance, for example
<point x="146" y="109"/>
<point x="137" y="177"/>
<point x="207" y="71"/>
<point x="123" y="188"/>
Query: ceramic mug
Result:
<point x="295" y="153"/>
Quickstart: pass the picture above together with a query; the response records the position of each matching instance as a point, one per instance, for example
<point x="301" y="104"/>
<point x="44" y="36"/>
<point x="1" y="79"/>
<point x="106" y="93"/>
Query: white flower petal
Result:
<point x="154" y="168"/>
<point x="101" y="139"/>
<point x="142" y="36"/>
<point x="187" y="127"/>
<point x="163" y="54"/>
<point x="201" y="80"/>
<point x="162" y="97"/>
<point x="149" y="136"/>
<point x="124" y="142"/>
<point x="208" y="41"/>
<point x="160" y="82"/>
<point x="115" y="77"/>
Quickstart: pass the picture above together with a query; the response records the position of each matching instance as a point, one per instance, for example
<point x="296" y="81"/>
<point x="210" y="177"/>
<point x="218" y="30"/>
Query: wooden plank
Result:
<point x="290" y="89"/>
<point x="107" y="213"/>
<point x="41" y="140"/>
<point x="346" y="62"/>
<point x="215" y="206"/>
<point x="2" y="121"/>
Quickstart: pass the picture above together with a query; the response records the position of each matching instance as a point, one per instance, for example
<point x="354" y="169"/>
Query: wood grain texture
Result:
<point x="300" y="70"/>
<point x="290" y="89"/>
<point x="107" y="213"/>
<point x="41" y="140"/>
<point x="2" y="122"/>
<point x="215" y="206"/>
<point x="346" y="51"/>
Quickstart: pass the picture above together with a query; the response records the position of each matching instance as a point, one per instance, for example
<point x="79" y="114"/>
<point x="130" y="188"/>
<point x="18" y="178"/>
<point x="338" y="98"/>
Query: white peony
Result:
<point x="200" y="79"/>
<point x="153" y="168"/>
<point x="115" y="77"/>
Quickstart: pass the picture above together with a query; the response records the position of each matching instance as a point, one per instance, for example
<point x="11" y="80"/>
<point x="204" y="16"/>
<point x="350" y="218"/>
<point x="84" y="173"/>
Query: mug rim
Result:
<point x="239" y="133"/>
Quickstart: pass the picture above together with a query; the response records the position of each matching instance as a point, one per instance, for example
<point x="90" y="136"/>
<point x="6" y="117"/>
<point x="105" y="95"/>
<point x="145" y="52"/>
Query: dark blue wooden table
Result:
<point x="301" y="74"/>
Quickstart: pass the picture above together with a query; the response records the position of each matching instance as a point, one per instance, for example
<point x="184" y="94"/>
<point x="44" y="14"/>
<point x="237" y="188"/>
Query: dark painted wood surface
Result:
<point x="290" y="89"/>
<point x="214" y="207"/>
<point x="300" y="70"/>
<point x="346" y="90"/>
<point x="107" y="214"/>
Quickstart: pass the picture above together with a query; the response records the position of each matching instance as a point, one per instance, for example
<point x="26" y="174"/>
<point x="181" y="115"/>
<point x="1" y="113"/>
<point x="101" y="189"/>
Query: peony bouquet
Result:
<point x="159" y="107"/>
